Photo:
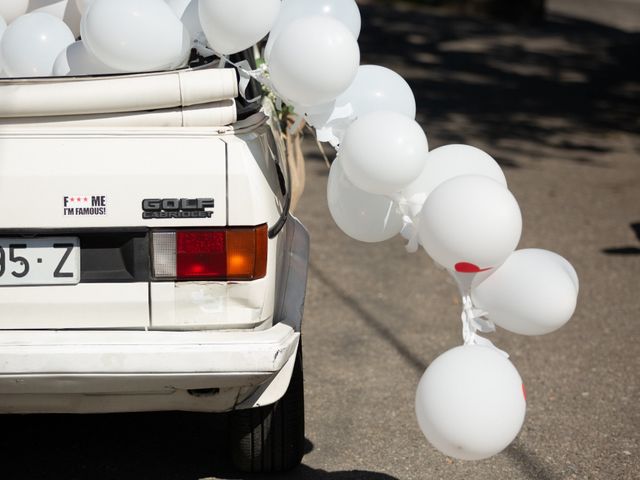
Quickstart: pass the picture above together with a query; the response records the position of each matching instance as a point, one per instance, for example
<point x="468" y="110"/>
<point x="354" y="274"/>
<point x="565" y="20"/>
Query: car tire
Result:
<point x="270" y="439"/>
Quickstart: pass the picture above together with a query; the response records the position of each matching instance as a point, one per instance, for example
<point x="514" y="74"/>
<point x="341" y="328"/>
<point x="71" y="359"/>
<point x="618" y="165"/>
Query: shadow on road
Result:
<point x="378" y="326"/>
<point x="530" y="466"/>
<point x="628" y="250"/>
<point x="538" y="90"/>
<point x="158" y="446"/>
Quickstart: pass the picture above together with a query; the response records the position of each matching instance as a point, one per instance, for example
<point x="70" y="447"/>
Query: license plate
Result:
<point x="39" y="261"/>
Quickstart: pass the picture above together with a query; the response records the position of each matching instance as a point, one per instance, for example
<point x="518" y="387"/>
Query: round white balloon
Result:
<point x="377" y="88"/>
<point x="532" y="293"/>
<point x="235" y="25"/>
<point x="135" y="35"/>
<point x="470" y="403"/>
<point x="314" y="60"/>
<point x="32" y="43"/>
<point x="12" y="9"/>
<point x="384" y="152"/>
<point x="470" y="224"/>
<point x="361" y="215"/>
<point x="345" y="11"/>
<point x="77" y="60"/>
<point x="451" y="161"/>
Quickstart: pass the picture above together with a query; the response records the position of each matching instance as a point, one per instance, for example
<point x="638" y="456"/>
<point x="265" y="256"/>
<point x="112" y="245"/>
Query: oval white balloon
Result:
<point x="470" y="403"/>
<point x="532" y="293"/>
<point x="77" y="60"/>
<point x="314" y="60"/>
<point x="232" y="26"/>
<point x="470" y="224"/>
<point x="345" y="11"/>
<point x="135" y="35"/>
<point x="361" y="215"/>
<point x="384" y="152"/>
<point x="444" y="163"/>
<point x="377" y="88"/>
<point x="12" y="9"/>
<point x="32" y="43"/>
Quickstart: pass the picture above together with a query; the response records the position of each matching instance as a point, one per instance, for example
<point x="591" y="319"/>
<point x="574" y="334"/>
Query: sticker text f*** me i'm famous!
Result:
<point x="85" y="205"/>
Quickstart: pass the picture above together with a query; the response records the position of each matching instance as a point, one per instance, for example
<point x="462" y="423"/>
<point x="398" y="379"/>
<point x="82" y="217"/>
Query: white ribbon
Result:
<point x="410" y="210"/>
<point x="200" y="44"/>
<point x="331" y="126"/>
<point x="246" y="74"/>
<point x="473" y="319"/>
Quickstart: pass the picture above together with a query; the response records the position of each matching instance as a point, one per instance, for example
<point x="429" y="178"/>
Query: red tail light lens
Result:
<point x="220" y="254"/>
<point x="201" y="255"/>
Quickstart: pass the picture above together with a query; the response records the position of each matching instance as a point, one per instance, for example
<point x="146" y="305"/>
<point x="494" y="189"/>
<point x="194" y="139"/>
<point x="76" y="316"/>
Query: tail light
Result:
<point x="210" y="254"/>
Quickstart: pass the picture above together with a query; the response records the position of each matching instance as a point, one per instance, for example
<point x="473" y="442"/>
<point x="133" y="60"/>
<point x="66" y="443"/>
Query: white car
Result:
<point x="148" y="260"/>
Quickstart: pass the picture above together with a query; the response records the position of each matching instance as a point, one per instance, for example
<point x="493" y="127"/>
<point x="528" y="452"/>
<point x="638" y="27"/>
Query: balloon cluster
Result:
<point x="452" y="201"/>
<point x="120" y="36"/>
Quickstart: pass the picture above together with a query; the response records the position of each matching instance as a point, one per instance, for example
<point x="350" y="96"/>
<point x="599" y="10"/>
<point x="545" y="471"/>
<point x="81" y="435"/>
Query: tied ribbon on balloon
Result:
<point x="473" y="319"/>
<point x="247" y="74"/>
<point x="410" y="209"/>
<point x="330" y="121"/>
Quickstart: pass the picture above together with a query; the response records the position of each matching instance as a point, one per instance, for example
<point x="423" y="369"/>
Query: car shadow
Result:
<point x="307" y="473"/>
<point x="131" y="446"/>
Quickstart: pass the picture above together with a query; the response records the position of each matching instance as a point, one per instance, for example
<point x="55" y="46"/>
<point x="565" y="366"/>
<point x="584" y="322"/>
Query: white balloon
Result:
<point x="77" y="60"/>
<point x="378" y="88"/>
<point x="568" y="268"/>
<point x="345" y="11"/>
<point x="451" y="161"/>
<point x="470" y="224"/>
<point x="66" y="10"/>
<point x="235" y="25"/>
<point x="188" y="13"/>
<point x="532" y="293"/>
<point x="471" y="403"/>
<point x="374" y="89"/>
<point x="313" y="61"/>
<point x="135" y="35"/>
<point x="361" y="215"/>
<point x="384" y="152"/>
<point x="12" y="9"/>
<point x="32" y="43"/>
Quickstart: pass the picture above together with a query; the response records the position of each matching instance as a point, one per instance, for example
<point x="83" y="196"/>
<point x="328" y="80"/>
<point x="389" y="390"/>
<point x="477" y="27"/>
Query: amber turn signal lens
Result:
<point x="247" y="253"/>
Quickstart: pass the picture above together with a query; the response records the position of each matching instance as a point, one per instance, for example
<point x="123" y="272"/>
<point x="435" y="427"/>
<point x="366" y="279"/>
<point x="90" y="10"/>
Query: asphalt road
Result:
<point x="558" y="105"/>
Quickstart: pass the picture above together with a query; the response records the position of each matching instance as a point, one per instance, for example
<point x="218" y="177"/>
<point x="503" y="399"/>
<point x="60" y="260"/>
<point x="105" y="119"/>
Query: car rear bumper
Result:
<point x="102" y="371"/>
